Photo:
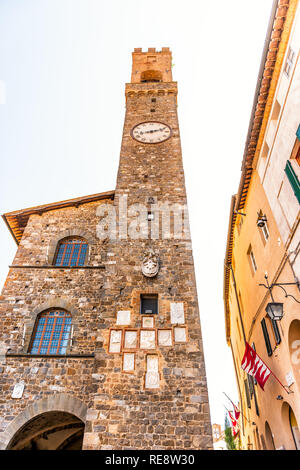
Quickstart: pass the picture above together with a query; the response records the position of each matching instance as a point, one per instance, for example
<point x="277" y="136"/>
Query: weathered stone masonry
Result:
<point x="119" y="411"/>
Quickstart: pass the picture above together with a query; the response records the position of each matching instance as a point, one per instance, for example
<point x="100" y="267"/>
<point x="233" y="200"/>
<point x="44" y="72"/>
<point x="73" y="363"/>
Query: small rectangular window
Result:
<point x="263" y="226"/>
<point x="149" y="304"/>
<point x="151" y="59"/>
<point x="265" y="150"/>
<point x="252" y="259"/>
<point x="289" y="61"/>
<point x="240" y="224"/>
<point x="276" y="111"/>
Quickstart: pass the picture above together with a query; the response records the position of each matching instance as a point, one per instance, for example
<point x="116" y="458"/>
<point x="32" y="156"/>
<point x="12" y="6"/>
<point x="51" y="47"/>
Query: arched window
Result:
<point x="71" y="252"/>
<point x="151" y="76"/>
<point x="51" y="333"/>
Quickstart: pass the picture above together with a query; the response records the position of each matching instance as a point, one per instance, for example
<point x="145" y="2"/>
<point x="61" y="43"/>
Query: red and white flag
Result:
<point x="236" y="412"/>
<point x="255" y="366"/>
<point x="234" y="423"/>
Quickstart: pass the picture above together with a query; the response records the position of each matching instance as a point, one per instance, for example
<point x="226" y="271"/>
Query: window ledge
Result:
<point x="47" y="266"/>
<point x="50" y="356"/>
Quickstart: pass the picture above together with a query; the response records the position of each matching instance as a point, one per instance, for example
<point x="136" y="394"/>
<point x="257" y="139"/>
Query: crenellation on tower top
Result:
<point x="151" y="49"/>
<point x="151" y="66"/>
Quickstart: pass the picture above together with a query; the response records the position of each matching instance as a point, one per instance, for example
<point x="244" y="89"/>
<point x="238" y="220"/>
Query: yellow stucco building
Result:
<point x="262" y="260"/>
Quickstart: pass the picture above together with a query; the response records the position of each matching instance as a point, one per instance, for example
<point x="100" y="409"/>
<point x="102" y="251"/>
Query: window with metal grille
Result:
<point x="51" y="333"/>
<point x="149" y="304"/>
<point x="71" y="252"/>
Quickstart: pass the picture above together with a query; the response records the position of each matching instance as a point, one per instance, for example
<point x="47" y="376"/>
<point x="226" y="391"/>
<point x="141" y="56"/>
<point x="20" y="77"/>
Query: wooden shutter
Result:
<point x="293" y="179"/>
<point x="247" y="393"/>
<point x="276" y="331"/>
<point x="266" y="337"/>
<point x="297" y="158"/>
<point x="253" y="347"/>
<point x="250" y="384"/>
<point x="255" y="383"/>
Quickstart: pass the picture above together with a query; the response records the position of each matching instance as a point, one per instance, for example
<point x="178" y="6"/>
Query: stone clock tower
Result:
<point x="100" y="335"/>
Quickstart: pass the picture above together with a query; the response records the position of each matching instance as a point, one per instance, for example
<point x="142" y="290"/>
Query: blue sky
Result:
<point x="63" y="69"/>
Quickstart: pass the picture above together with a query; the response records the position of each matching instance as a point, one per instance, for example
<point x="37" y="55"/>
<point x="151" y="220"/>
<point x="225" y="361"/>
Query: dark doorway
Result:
<point x="53" y="430"/>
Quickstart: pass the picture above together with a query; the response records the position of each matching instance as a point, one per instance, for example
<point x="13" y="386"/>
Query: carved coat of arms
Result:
<point x="150" y="264"/>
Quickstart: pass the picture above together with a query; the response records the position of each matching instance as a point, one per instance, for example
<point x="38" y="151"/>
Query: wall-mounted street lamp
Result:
<point x="275" y="309"/>
<point x="261" y="220"/>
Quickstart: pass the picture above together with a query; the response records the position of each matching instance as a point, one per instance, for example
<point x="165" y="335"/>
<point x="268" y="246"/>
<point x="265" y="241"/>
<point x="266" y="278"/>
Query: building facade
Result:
<point x="100" y="333"/>
<point x="262" y="262"/>
<point x="218" y="437"/>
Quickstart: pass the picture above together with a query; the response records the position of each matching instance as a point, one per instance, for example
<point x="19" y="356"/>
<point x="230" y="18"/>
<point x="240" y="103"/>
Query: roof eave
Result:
<point x="11" y="218"/>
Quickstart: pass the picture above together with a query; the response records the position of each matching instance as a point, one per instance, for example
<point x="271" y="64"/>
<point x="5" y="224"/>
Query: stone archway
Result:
<point x="269" y="437"/>
<point x="263" y="442"/>
<point x="294" y="347"/>
<point x="291" y="428"/>
<point x="256" y="439"/>
<point x="53" y="430"/>
<point x="52" y="423"/>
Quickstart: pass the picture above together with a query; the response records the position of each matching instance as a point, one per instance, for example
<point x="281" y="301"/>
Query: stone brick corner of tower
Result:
<point x="151" y="66"/>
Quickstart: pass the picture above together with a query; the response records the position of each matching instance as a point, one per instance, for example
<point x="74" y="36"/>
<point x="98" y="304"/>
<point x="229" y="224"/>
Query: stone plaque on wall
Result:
<point x="147" y="322"/>
<point x="177" y="313"/>
<point x="128" y="362"/>
<point x="152" y="374"/>
<point x="164" y="337"/>
<point x="152" y="363"/>
<point x="152" y="380"/>
<point x="18" y="390"/>
<point x="123" y="317"/>
<point x="115" y="341"/>
<point x="180" y="334"/>
<point x="130" y="339"/>
<point x="147" y="339"/>
<point x="289" y="379"/>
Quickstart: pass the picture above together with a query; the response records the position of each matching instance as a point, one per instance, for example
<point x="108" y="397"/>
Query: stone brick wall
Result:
<point x="122" y="412"/>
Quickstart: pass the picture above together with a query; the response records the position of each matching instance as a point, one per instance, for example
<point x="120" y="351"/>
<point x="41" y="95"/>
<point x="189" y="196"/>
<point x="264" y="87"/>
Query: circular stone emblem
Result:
<point x="150" y="264"/>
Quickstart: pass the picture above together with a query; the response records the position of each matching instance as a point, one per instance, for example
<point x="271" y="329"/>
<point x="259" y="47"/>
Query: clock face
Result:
<point x="151" y="132"/>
